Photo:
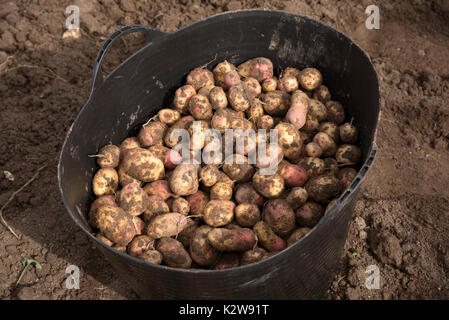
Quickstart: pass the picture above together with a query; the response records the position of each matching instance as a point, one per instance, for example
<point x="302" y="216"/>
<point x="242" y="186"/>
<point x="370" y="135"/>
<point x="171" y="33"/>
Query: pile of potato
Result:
<point x="153" y="206"/>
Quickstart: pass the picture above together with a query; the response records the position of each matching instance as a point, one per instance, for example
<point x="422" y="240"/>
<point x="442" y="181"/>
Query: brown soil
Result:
<point x="401" y="221"/>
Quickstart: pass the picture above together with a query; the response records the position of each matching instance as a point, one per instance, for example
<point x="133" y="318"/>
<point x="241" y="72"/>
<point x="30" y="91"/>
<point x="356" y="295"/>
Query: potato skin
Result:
<point x="259" y="68"/>
<point x="331" y="129"/>
<point x="116" y="224"/>
<point x="109" y="156"/>
<point x="252" y="256"/>
<point x="139" y="245"/>
<point x="247" y="214"/>
<point x="313" y="149"/>
<point x="309" y="214"/>
<point x="227" y="260"/>
<point x="129" y="143"/>
<point x="200" y="107"/>
<point x="160" y="188"/>
<point x="141" y="164"/>
<point x="313" y="166"/>
<point x="322" y="94"/>
<point x="317" y="110"/>
<point x="152" y="133"/>
<point x="348" y="154"/>
<point x="217" y="98"/>
<point x="182" y="98"/>
<point x="293" y="175"/>
<point x="184" y="180"/>
<point x="221" y="191"/>
<point x="199" y="78"/>
<point x="133" y="199"/>
<point x="335" y="112"/>
<point x="238" y="172"/>
<point x="151" y="256"/>
<point x="218" y="213"/>
<point x="173" y="253"/>
<point x="275" y="103"/>
<point x="323" y="188"/>
<point x="267" y="238"/>
<point x="346" y="175"/>
<point x="201" y="251"/>
<point x="238" y="98"/>
<point x="220" y="71"/>
<point x="221" y="120"/>
<point x="310" y="79"/>
<point x="245" y="193"/>
<point x="180" y="205"/>
<point x="253" y="88"/>
<point x="166" y="225"/>
<point x="269" y="84"/>
<point x="269" y="186"/>
<point x="223" y="239"/>
<point x="296" y="235"/>
<point x="326" y="143"/>
<point x="105" y="182"/>
<point x="168" y="116"/>
<point x="100" y="201"/>
<point x="209" y="175"/>
<point x="348" y="133"/>
<point x="155" y="207"/>
<point x="198" y="202"/>
<point x="279" y="216"/>
<point x="297" y="113"/>
<point x="185" y="236"/>
<point x="297" y="197"/>
<point x="289" y="140"/>
<point x="105" y="240"/>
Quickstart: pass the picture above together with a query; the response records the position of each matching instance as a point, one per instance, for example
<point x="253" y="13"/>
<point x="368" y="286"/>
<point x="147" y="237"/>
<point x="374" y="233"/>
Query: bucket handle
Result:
<point x="150" y="35"/>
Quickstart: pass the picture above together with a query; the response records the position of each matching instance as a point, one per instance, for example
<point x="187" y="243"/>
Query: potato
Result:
<point x="252" y="256"/>
<point x="199" y="78"/>
<point x="139" y="245"/>
<point x="346" y="175"/>
<point x="159" y="188"/>
<point x="184" y="180"/>
<point x="311" y="123"/>
<point x="182" y="98"/>
<point x="129" y="143"/>
<point x="151" y="256"/>
<point x="237" y="168"/>
<point x="297" y="197"/>
<point x="323" y="188"/>
<point x="309" y="214"/>
<point x="133" y="199"/>
<point x="306" y="137"/>
<point x="267" y="238"/>
<point x="275" y="103"/>
<point x="290" y="71"/>
<point x="105" y="182"/>
<point x="209" y="175"/>
<point x="119" y="247"/>
<point x="238" y="98"/>
<point x="223" y="177"/>
<point x="289" y="83"/>
<point x="245" y="193"/>
<point x="330" y="205"/>
<point x="313" y="166"/>
<point x="313" y="149"/>
<point x="255" y="111"/>
<point x="100" y="201"/>
<point x="197" y="131"/>
<point x="293" y="175"/>
<point x="185" y="236"/>
<point x="159" y="151"/>
<point x="269" y="84"/>
<point x="155" y="207"/>
<point x="173" y="253"/>
<point x="220" y="71"/>
<point x="253" y="88"/>
<point x="297" y="113"/>
<point x="180" y="205"/>
<point x="348" y="154"/>
<point x="269" y="186"/>
<point x="205" y="91"/>
<point x="221" y="120"/>
<point x="231" y="78"/>
<point x="331" y="129"/>
<point x="322" y="94"/>
<point x="267" y="160"/>
<point x="227" y="260"/>
<point x="223" y="239"/>
<point x="279" y="216"/>
<point x="331" y="166"/>
<point x="115" y="224"/>
<point x="141" y="164"/>
<point x="172" y="137"/>
<point x="310" y="79"/>
<point x="198" y="202"/>
<point x="217" y="98"/>
<point x="139" y="225"/>
<point x="317" y="109"/>
<point x="168" y="116"/>
<point x="247" y="214"/>
<point x="201" y="251"/>
<point x="259" y="68"/>
<point x="218" y="213"/>
<point x="265" y="122"/>
<point x="348" y="133"/>
<point x="221" y="191"/>
<point x="105" y="240"/>
<point x="296" y="235"/>
<point x="200" y="107"/>
<point x="335" y="112"/>
<point x="166" y="225"/>
<point x="289" y="140"/>
<point x="326" y="143"/>
<point x="108" y="156"/>
<point x="152" y="133"/>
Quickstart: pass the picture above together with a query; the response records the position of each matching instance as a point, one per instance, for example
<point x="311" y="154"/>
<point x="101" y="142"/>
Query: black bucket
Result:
<point x="146" y="82"/>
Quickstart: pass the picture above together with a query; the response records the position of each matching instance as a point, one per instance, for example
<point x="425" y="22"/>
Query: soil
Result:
<point x="401" y="219"/>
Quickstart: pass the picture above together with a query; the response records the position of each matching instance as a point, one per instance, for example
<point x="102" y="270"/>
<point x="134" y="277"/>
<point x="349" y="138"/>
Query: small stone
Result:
<point x="421" y="53"/>
<point x="233" y="6"/>
<point x="127" y="5"/>
<point x="363" y="235"/>
<point x="74" y="33"/>
<point x="360" y="223"/>
<point x="8" y="175"/>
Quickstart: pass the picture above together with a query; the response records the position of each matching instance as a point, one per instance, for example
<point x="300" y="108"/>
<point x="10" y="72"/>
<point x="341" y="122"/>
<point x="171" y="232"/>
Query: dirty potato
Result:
<point x="116" y="224"/>
<point x="201" y="251"/>
<point x="269" y="186"/>
<point x="252" y="256"/>
<point x="133" y="199"/>
<point x="247" y="214"/>
<point x="309" y="214"/>
<point x="105" y="182"/>
<point x="297" y="197"/>
<point x="199" y="78"/>
<point x="279" y="216"/>
<point x="296" y="235"/>
<point x="218" y="213"/>
<point x="267" y="238"/>
<point x="348" y="154"/>
<point x="182" y="98"/>
<point x="323" y="188"/>
<point x="141" y="164"/>
<point x="166" y="225"/>
<point x="108" y="156"/>
<point x="184" y="180"/>
<point x="173" y="253"/>
<point x="245" y="193"/>
<point x="223" y="239"/>
<point x="221" y="191"/>
<point x="139" y="245"/>
<point x="310" y="79"/>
